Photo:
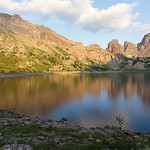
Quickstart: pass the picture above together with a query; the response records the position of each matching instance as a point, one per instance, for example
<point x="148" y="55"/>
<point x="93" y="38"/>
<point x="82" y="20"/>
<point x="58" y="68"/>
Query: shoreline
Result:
<point x="25" y="74"/>
<point x="18" y="130"/>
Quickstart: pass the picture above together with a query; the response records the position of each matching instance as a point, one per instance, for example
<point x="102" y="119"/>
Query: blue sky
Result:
<point x="89" y="21"/>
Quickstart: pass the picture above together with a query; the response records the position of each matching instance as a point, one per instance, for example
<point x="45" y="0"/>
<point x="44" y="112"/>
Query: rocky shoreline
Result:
<point x="24" y="74"/>
<point x="20" y="132"/>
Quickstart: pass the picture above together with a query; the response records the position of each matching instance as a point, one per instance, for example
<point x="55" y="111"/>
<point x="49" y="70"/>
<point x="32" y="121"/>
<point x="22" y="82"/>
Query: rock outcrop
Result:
<point x="114" y="47"/>
<point x="130" y="49"/>
<point x="144" y="46"/>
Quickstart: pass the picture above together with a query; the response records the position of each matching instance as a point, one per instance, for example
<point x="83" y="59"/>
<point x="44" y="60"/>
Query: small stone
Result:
<point x="19" y="116"/>
<point x="64" y="119"/>
<point x="107" y="127"/>
<point x="136" y="136"/>
<point x="26" y="119"/>
<point x="41" y="137"/>
<point x="10" y="142"/>
<point x="98" y="141"/>
<point x="52" y="134"/>
<point x="0" y="134"/>
<point x="105" y="149"/>
<point x="1" y="126"/>
<point x="27" y="122"/>
<point x="11" y="112"/>
<point x="45" y="126"/>
<point x="6" y="124"/>
<point x="90" y="139"/>
<point x="92" y="128"/>
<point x="56" y="140"/>
<point x="138" y="144"/>
<point x="45" y="133"/>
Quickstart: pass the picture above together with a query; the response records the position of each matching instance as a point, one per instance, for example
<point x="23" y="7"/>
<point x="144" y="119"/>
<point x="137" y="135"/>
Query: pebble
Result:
<point x="27" y="122"/>
<point x="26" y="119"/>
<point x="98" y="141"/>
<point x="138" y="144"/>
<point x="90" y="139"/>
<point x="136" y="136"/>
<point x="41" y="137"/>
<point x="45" y="126"/>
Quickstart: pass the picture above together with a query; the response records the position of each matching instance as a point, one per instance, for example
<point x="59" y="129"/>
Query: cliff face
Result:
<point x="144" y="46"/>
<point x="115" y="47"/>
<point x="130" y="49"/>
<point x="28" y="47"/>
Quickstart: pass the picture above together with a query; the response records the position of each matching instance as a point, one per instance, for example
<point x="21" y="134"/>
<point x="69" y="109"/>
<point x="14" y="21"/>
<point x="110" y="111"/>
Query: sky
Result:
<point x="89" y="21"/>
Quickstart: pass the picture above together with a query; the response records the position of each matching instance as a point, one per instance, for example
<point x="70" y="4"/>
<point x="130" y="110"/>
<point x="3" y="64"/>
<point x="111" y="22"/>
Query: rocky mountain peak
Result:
<point x="145" y="43"/>
<point x="115" y="47"/>
<point x="16" y="17"/>
<point x="130" y="49"/>
<point x="94" y="46"/>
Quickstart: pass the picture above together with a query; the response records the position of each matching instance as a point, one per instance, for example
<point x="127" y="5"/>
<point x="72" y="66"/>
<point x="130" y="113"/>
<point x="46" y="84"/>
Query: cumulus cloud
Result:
<point x="82" y="12"/>
<point x="143" y="28"/>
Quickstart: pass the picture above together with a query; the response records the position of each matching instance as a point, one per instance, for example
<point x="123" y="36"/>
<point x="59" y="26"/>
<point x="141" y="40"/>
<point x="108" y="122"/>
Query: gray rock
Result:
<point x="16" y="147"/>
<point x="6" y="124"/>
<point x="138" y="144"/>
<point x="27" y="122"/>
<point x="98" y="141"/>
<point x="12" y="141"/>
<point x="26" y="119"/>
<point x="136" y="136"/>
<point x="45" y="126"/>
<point x="64" y="119"/>
<point x="1" y="126"/>
<point x="90" y="139"/>
<point x="52" y="134"/>
<point x="45" y="133"/>
<point x="56" y="140"/>
<point x="19" y="116"/>
<point x="41" y="137"/>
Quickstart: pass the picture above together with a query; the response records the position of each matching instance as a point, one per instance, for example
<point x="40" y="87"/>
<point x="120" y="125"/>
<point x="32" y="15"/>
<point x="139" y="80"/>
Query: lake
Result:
<point x="90" y="100"/>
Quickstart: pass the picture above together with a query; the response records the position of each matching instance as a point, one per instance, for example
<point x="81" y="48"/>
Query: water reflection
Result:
<point x="90" y="100"/>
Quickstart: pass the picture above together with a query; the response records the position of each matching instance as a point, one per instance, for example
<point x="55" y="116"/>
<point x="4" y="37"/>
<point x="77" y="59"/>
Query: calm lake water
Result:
<point x="89" y="100"/>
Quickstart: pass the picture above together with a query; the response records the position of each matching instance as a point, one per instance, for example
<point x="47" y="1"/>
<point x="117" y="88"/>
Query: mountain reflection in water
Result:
<point x="89" y="100"/>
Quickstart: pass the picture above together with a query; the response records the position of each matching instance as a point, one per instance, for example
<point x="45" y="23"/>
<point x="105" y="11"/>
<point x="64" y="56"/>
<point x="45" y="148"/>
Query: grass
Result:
<point x="77" y="141"/>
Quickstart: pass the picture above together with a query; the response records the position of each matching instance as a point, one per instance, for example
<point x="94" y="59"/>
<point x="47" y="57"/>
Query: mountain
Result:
<point x="28" y="47"/>
<point x="144" y="46"/>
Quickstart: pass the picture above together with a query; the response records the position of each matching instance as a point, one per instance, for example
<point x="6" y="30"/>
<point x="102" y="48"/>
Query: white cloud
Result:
<point x="79" y="11"/>
<point x="143" y="28"/>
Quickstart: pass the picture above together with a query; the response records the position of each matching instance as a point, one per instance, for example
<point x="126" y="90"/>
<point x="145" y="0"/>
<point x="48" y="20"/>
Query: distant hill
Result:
<point x="28" y="47"/>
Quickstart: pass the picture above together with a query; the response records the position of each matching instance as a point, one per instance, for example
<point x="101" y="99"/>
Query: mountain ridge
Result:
<point x="28" y="47"/>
